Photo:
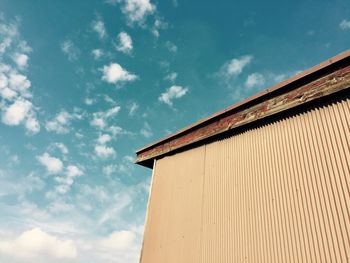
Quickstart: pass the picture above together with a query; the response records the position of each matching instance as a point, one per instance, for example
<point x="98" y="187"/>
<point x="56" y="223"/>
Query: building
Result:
<point x="265" y="180"/>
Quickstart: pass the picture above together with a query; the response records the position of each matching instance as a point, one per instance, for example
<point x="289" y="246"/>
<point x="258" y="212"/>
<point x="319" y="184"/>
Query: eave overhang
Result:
<point x="324" y="79"/>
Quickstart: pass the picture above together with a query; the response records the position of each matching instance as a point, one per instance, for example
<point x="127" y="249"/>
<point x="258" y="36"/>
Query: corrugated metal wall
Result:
<point x="277" y="193"/>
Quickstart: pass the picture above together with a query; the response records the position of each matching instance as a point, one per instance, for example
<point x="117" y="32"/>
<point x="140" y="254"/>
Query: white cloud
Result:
<point x="124" y="43"/>
<point x="89" y="101"/>
<point x="32" y="125"/>
<point x="96" y="208"/>
<point x="100" y="118"/>
<point x="21" y="60"/>
<point x="110" y="169"/>
<point x="133" y="107"/>
<point x="9" y="33"/>
<point x="136" y="11"/>
<point x="61" y="147"/>
<point x="61" y="122"/>
<point x="98" y="122"/>
<point x="146" y="130"/>
<point x="109" y="100"/>
<point x="101" y="149"/>
<point x="23" y="47"/>
<point x="112" y="112"/>
<point x="171" y="46"/>
<point x="16" y="107"/>
<point x="99" y="27"/>
<point x="8" y="94"/>
<point x="104" y="138"/>
<point x="114" y="73"/>
<point x="115" y="130"/>
<point x="59" y="207"/>
<point x="259" y="81"/>
<point x="104" y="151"/>
<point x="78" y="135"/>
<point x="119" y="240"/>
<point x="65" y="182"/>
<point x="16" y="112"/>
<point x="254" y="79"/>
<point x="37" y="244"/>
<point x="97" y="53"/>
<point x="345" y="24"/>
<point x="20" y="83"/>
<point x="235" y="66"/>
<point x="53" y="165"/>
<point x="74" y="171"/>
<point x="99" y="193"/>
<point x="171" y="77"/>
<point x="128" y="158"/>
<point x="21" y="111"/>
<point x="158" y="24"/>
<point x="174" y="92"/>
<point x="70" y="50"/>
<point x="3" y="81"/>
<point x="14" y="184"/>
<point x="125" y="167"/>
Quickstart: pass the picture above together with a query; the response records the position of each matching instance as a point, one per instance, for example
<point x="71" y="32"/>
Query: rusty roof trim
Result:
<point x="281" y="91"/>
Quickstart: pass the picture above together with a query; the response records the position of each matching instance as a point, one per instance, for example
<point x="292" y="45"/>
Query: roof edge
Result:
<point x="242" y="105"/>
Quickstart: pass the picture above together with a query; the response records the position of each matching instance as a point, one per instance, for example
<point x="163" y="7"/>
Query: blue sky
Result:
<point x="83" y="84"/>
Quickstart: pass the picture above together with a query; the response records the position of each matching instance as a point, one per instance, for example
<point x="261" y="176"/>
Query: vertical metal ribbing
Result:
<point x="303" y="197"/>
<point x="276" y="193"/>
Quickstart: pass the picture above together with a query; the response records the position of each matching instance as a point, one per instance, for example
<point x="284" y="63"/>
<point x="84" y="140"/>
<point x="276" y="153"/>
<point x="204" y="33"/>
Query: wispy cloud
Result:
<point x="100" y="118"/>
<point x="174" y="92"/>
<point x="89" y="101"/>
<point x="97" y="53"/>
<point x="133" y="107"/>
<point x="59" y="146"/>
<point x="159" y="24"/>
<point x="235" y="66"/>
<point x="99" y="27"/>
<point x="125" y="167"/>
<point x="344" y="24"/>
<point x="9" y="33"/>
<point x="258" y="81"/>
<point x="66" y="180"/>
<point x="70" y="50"/>
<point x="61" y="123"/>
<point x="171" y="77"/>
<point x="11" y="184"/>
<point x="146" y="130"/>
<point x="171" y="47"/>
<point x="106" y="240"/>
<point x="254" y="79"/>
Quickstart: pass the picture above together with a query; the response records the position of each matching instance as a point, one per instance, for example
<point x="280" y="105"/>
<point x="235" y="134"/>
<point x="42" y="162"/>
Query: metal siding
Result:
<point x="172" y="232"/>
<point x="277" y="193"/>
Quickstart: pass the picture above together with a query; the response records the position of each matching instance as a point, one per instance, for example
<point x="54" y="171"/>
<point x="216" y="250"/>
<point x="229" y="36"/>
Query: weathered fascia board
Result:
<point x="326" y="85"/>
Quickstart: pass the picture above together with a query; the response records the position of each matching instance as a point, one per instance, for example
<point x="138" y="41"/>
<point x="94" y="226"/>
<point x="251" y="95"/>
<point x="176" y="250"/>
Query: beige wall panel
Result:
<point x="173" y="227"/>
<point x="277" y="193"/>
